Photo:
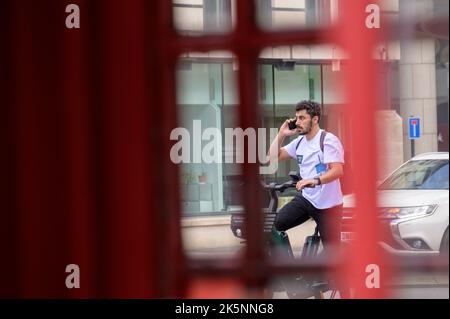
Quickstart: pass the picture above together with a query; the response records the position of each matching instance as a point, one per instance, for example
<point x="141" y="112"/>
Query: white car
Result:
<point x="413" y="205"/>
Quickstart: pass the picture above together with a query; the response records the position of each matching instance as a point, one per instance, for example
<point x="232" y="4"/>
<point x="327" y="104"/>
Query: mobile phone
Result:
<point x="292" y="125"/>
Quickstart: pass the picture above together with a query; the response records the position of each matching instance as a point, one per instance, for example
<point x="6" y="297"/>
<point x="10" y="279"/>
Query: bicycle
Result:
<point x="278" y="243"/>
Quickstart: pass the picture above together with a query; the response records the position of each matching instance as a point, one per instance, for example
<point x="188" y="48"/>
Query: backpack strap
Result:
<point x="298" y="143"/>
<point x="322" y="139"/>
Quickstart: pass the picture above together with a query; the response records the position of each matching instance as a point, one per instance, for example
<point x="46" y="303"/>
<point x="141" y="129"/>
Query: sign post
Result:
<point x="414" y="133"/>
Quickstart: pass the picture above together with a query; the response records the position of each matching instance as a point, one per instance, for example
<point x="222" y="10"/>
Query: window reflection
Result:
<point x="197" y="17"/>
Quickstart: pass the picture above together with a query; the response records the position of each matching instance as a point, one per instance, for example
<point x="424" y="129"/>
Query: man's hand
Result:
<point x="276" y="152"/>
<point x="284" y="129"/>
<point x="305" y="183"/>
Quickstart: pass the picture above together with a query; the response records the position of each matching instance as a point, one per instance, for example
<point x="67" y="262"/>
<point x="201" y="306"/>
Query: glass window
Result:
<point x="207" y="97"/>
<point x="437" y="180"/>
<point x="282" y="85"/>
<point x="294" y="14"/>
<point x="292" y="84"/>
<point x="188" y="15"/>
<point x="207" y="104"/>
<point x="211" y="190"/>
<point x="422" y="174"/>
<point x="199" y="100"/>
<point x="441" y="9"/>
<point x="197" y="17"/>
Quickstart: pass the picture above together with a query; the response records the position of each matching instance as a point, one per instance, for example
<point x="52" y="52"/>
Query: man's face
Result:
<point x="304" y="122"/>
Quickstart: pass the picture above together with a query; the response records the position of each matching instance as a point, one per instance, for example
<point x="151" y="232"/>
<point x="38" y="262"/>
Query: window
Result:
<point x="197" y="17"/>
<point x="207" y="101"/>
<point x="207" y="98"/>
<point x="293" y="14"/>
<point x="423" y="174"/>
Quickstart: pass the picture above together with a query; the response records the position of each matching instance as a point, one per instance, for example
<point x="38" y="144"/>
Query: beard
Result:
<point x="306" y="130"/>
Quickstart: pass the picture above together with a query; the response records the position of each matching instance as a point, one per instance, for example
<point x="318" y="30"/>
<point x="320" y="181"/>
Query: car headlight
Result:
<point x="406" y="212"/>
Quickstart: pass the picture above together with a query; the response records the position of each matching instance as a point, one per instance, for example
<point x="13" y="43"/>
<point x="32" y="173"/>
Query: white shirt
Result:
<point x="313" y="163"/>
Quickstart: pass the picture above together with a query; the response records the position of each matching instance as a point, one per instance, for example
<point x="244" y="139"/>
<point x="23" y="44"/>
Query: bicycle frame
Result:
<point x="279" y="244"/>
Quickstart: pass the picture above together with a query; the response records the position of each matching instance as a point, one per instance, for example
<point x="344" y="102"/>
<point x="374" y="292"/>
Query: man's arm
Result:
<point x="335" y="171"/>
<point x="275" y="150"/>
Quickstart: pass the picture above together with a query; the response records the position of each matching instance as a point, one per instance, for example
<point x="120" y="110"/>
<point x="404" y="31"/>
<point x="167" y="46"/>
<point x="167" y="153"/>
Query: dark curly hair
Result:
<point x="312" y="108"/>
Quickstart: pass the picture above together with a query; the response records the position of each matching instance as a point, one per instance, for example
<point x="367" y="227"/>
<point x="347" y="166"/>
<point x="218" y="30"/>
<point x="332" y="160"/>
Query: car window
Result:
<point x="438" y="179"/>
<point x="424" y="174"/>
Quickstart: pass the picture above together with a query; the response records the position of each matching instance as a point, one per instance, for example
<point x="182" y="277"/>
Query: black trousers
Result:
<point x="299" y="210"/>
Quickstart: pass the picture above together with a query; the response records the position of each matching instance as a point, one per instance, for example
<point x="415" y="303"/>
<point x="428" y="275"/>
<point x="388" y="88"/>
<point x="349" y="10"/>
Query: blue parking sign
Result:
<point x="414" y="128"/>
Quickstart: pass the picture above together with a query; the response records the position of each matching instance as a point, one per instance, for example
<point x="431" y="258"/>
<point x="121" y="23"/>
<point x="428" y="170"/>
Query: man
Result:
<point x="320" y="157"/>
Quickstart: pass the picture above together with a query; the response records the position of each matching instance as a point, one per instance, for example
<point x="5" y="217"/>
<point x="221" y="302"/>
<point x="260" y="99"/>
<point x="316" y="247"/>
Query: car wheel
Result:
<point x="444" y="243"/>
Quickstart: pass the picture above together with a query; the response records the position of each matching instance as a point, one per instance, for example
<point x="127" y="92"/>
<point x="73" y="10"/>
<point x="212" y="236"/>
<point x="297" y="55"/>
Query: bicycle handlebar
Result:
<point x="280" y="187"/>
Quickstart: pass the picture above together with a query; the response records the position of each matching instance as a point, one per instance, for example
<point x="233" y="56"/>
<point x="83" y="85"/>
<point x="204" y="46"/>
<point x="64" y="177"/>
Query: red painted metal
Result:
<point x="362" y="88"/>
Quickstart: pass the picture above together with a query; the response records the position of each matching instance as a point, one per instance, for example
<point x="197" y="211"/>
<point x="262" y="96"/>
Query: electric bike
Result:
<point x="278" y="244"/>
